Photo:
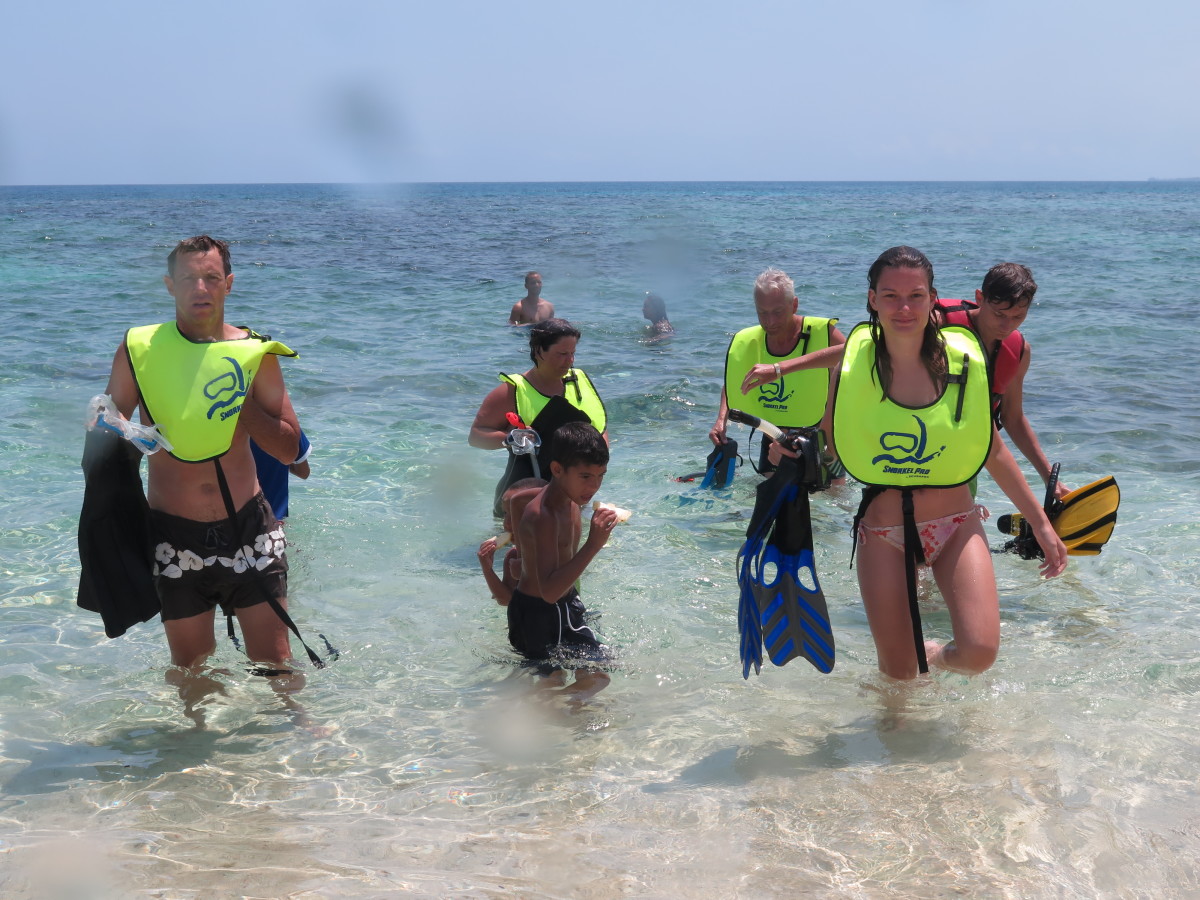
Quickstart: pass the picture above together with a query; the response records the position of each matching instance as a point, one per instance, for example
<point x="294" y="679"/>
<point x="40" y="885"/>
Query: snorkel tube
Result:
<point x="103" y="414"/>
<point x="523" y="441"/>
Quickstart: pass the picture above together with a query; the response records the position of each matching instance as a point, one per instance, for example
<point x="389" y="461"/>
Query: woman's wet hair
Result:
<point x="545" y="334"/>
<point x="901" y="257"/>
<point x="933" y="345"/>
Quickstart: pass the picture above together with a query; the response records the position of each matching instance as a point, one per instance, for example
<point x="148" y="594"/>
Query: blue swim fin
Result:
<point x="777" y="609"/>
<point x="722" y="465"/>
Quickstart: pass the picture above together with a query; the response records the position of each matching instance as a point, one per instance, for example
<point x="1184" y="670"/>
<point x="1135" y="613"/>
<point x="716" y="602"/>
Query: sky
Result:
<point x="139" y="92"/>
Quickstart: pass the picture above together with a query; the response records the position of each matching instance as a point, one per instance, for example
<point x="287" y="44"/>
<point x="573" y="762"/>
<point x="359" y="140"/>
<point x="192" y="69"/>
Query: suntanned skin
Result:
<point x="777" y="314"/>
<point x="531" y="308"/>
<point x="552" y="559"/>
<point x="903" y="301"/>
<point x="199" y="286"/>
<point x="502" y="585"/>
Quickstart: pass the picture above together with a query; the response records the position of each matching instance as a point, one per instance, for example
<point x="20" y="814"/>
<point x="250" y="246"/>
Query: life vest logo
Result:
<point x="911" y="444"/>
<point x="231" y="383"/>
<point x="771" y="395"/>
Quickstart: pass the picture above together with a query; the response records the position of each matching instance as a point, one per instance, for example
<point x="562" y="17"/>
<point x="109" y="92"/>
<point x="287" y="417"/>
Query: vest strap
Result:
<point x="913" y="554"/>
<point x="317" y="662"/>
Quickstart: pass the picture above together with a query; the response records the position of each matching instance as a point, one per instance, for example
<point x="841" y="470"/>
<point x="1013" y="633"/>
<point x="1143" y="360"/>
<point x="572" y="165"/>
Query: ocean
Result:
<point x="422" y="762"/>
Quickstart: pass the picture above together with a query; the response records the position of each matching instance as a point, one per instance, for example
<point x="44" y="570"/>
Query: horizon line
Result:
<point x="610" y="181"/>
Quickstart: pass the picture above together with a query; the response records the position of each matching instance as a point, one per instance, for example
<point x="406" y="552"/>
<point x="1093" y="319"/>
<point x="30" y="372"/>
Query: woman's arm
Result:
<point x="1003" y="468"/>
<point x="829" y="358"/>
<point x="490" y="427"/>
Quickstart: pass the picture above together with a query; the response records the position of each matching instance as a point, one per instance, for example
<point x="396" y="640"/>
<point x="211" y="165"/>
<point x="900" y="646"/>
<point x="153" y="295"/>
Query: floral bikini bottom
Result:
<point x="934" y="532"/>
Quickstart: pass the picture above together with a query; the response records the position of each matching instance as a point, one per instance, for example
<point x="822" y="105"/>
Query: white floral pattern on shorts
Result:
<point x="268" y="547"/>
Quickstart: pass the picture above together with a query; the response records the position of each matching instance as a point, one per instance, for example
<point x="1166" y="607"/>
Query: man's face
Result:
<point x="775" y="311"/>
<point x="199" y="286"/>
<point x="579" y="482"/>
<point x="533" y="285"/>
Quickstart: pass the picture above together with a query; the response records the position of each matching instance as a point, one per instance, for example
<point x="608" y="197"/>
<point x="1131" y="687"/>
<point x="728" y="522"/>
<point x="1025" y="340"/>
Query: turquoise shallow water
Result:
<point x="421" y="765"/>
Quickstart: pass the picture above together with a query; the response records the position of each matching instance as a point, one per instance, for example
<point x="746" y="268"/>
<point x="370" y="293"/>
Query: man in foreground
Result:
<point x="210" y="387"/>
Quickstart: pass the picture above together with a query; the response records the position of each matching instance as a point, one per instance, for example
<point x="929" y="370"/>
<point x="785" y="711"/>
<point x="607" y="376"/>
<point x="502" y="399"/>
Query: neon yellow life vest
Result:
<point x="194" y="391"/>
<point x="577" y="391"/>
<point x="795" y="401"/>
<point x="884" y="443"/>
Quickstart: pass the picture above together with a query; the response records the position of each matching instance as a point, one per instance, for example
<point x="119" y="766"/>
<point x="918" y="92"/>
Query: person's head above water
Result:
<point x="533" y="283"/>
<point x="654" y="307"/>
<point x="1008" y="284"/>
<point x="545" y="334"/>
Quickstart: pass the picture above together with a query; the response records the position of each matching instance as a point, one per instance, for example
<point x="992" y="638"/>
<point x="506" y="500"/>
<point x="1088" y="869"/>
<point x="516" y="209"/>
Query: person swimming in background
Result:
<point x="531" y="308"/>
<point x="545" y="615"/>
<point x="910" y="417"/>
<point x="654" y="308"/>
<point x="515" y="499"/>
<point x="273" y="474"/>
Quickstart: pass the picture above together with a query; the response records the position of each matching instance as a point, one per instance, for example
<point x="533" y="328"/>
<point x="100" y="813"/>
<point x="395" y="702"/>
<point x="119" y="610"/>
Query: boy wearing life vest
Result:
<point x="1000" y="307"/>
<point x="209" y="387"/>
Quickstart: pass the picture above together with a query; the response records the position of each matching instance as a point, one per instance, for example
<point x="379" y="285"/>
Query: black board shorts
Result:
<point x="235" y="563"/>
<point x="539" y="630"/>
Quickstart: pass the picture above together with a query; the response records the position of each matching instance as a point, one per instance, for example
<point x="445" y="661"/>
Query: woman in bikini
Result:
<point x="910" y="415"/>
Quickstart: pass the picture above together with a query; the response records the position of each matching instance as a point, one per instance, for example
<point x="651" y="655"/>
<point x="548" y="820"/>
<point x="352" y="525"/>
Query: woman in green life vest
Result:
<point x="910" y="417"/>
<point x="545" y="397"/>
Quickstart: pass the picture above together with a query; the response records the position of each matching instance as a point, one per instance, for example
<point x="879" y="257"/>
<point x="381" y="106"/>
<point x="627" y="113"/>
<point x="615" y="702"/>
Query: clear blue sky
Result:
<point x="550" y="90"/>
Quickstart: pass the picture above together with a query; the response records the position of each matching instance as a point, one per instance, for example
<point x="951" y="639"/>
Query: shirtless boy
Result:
<point x="513" y="501"/>
<point x="545" y="615"/>
<point x="532" y="307"/>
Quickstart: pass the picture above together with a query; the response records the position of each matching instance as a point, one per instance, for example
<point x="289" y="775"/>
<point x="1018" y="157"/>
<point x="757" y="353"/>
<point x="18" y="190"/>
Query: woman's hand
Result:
<point x="759" y="375"/>
<point x="1055" y="562"/>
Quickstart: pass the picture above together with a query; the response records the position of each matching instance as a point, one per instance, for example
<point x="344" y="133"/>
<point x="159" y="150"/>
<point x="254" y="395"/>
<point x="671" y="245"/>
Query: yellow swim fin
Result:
<point x="1086" y="517"/>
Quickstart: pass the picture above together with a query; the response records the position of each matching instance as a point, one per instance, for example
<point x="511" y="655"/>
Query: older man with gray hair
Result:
<point x="794" y="400"/>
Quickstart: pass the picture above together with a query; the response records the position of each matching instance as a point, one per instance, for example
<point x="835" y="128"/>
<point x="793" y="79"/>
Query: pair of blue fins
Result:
<point x="781" y="607"/>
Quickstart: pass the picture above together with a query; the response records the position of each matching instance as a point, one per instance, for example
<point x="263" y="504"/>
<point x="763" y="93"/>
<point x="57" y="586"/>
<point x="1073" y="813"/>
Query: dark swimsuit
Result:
<point x="536" y="629"/>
